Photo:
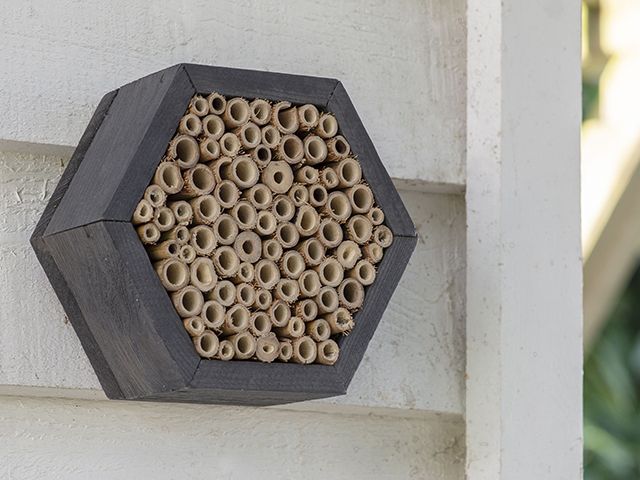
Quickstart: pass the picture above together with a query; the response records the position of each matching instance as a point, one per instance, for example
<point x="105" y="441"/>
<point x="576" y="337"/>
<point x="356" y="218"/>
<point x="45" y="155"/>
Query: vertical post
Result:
<point x="524" y="272"/>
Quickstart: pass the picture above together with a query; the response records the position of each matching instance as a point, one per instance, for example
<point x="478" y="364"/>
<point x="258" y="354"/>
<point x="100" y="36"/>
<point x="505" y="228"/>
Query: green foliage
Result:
<point x="612" y="394"/>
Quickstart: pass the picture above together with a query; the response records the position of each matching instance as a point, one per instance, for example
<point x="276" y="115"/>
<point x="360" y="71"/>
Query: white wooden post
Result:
<point x="524" y="280"/>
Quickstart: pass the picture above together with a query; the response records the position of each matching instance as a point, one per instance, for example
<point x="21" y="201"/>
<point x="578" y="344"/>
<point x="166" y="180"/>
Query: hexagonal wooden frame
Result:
<point x="103" y="277"/>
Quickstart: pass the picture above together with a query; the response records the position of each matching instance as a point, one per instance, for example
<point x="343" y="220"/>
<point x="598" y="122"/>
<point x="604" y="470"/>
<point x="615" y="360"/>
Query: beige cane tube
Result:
<point x="376" y="216"/>
<point x="225" y="351"/>
<point x="188" y="301"/>
<point x="319" y="330"/>
<point x="312" y="251"/>
<point x="261" y="155"/>
<point x="205" y="209"/>
<point x="248" y="246"/>
<point x="245" y="273"/>
<point x="166" y="249"/>
<point x="226" y="193"/>
<point x="259" y="324"/>
<point x="260" y="111"/>
<point x="194" y="326"/>
<point x="203" y="274"/>
<point x="292" y="264"/>
<point x="329" y="178"/>
<point x="168" y="177"/>
<point x="236" y="113"/>
<point x="330" y="271"/>
<point x="179" y="233"/>
<point x="244" y="345"/>
<point x="327" y="300"/>
<point x="198" y="106"/>
<point x="267" y="348"/>
<point x="187" y="254"/>
<point x="218" y="165"/>
<point x="361" y="198"/>
<point x="290" y="149"/>
<point x="279" y="313"/>
<point x="309" y="282"/>
<point x="207" y="344"/>
<point x="383" y="236"/>
<point x="213" y="314"/>
<point x="308" y="117"/>
<point x="278" y="176"/>
<point x="327" y="126"/>
<point x="304" y="350"/>
<point x="308" y="221"/>
<point x="190" y="125"/>
<point x="318" y="195"/>
<point x="266" y="223"/>
<point x="244" y="214"/>
<point x="242" y="171"/>
<point x="173" y="274"/>
<point x="198" y="181"/>
<point x="373" y="252"/>
<point x="267" y="274"/>
<point x="364" y="272"/>
<point x="293" y="329"/>
<point x="225" y="229"/>
<point x="164" y="219"/>
<point x="263" y="299"/>
<point x="287" y="289"/>
<point x="286" y="350"/>
<point x="284" y="117"/>
<point x="236" y="320"/>
<point x="143" y="213"/>
<point x="306" y="309"/>
<point x="315" y="150"/>
<point x="340" y="321"/>
<point x="307" y="175"/>
<point x="226" y="261"/>
<point x="270" y="136"/>
<point x="182" y="211"/>
<point x="209" y="149"/>
<point x="217" y="103"/>
<point x="351" y="294"/>
<point x="348" y="253"/>
<point x="287" y="235"/>
<point x="249" y="135"/>
<point x="229" y="145"/>
<point x="338" y="207"/>
<point x="329" y="233"/>
<point x="283" y="208"/>
<point x="272" y="249"/>
<point x="224" y="293"/>
<point x="298" y="194"/>
<point x="245" y="294"/>
<point x="328" y="352"/>
<point x="338" y="148"/>
<point x="155" y="195"/>
<point x="259" y="196"/>
<point x="185" y="151"/>
<point x="213" y="127"/>
<point x="349" y="172"/>
<point x="359" y="229"/>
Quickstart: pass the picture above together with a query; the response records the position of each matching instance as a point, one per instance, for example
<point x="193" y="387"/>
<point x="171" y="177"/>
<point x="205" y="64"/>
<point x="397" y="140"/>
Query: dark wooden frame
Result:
<point x="105" y="281"/>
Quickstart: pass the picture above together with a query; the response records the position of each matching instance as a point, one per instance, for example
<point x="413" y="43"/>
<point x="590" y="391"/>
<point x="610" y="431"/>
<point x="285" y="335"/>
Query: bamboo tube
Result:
<point x="173" y="274"/>
<point x="278" y="176"/>
<point x="229" y="145"/>
<point x="267" y="348"/>
<point x="261" y="155"/>
<point x="259" y="324"/>
<point x="312" y="251"/>
<point x="259" y="196"/>
<point x="207" y="344"/>
<point x="205" y="209"/>
<point x="194" y="326"/>
<point x="198" y="181"/>
<point x="309" y="282"/>
<point x="248" y="246"/>
<point x="166" y="249"/>
<point x="340" y="321"/>
<point x="329" y="233"/>
<point x="288" y="290"/>
<point x="217" y="103"/>
<point x="283" y="208"/>
<point x="308" y="117"/>
<point x="225" y="351"/>
<point x="376" y="216"/>
<point x="202" y="239"/>
<point x="213" y="127"/>
<point x="225" y="229"/>
<point x="327" y="126"/>
<point x="236" y="113"/>
<point x="293" y="329"/>
<point x="359" y="229"/>
<point x="226" y="261"/>
<point x="308" y="221"/>
<point x="244" y="345"/>
<point x="266" y="223"/>
<point x="226" y="193"/>
<point x="168" y="177"/>
<point x="249" y="135"/>
<point x="213" y="314"/>
<point x="318" y="195"/>
<point x="287" y="234"/>
<point x="263" y="299"/>
<point x="361" y="198"/>
<point x="284" y="117"/>
<point x="272" y="249"/>
<point x="279" y="313"/>
<point x="260" y="111"/>
<point x="364" y="272"/>
<point x="338" y="148"/>
<point x="298" y="194"/>
<point x="143" y="213"/>
<point x="315" y="150"/>
<point x="236" y="320"/>
<point x="270" y="136"/>
<point x="188" y="301"/>
<point x="373" y="252"/>
<point x="319" y="330"/>
<point x="349" y="172"/>
<point x="327" y="300"/>
<point x="286" y="350"/>
<point x="244" y="214"/>
<point x="224" y="293"/>
<point x="328" y="178"/>
<point x="306" y="309"/>
<point x="290" y="149"/>
<point x="179" y="233"/>
<point x="330" y="271"/>
<point x="245" y="273"/>
<point x="245" y="294"/>
<point x="164" y="219"/>
<point x="338" y="207"/>
<point x="304" y="350"/>
<point x="185" y="151"/>
<point x="218" y="165"/>
<point x="182" y="212"/>
<point x="203" y="274"/>
<point x="383" y="236"/>
<point x="267" y="274"/>
<point x="351" y="294"/>
<point x="198" y="106"/>
<point x="155" y="195"/>
<point x="209" y="149"/>
<point x="292" y="264"/>
<point x="242" y="171"/>
<point x="328" y="352"/>
<point x="187" y="254"/>
<point x="190" y="125"/>
<point x="348" y="253"/>
<point x="307" y="175"/>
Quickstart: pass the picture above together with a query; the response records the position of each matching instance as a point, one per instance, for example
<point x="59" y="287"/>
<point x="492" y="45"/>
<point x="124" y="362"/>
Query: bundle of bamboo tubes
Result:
<point x="262" y="229"/>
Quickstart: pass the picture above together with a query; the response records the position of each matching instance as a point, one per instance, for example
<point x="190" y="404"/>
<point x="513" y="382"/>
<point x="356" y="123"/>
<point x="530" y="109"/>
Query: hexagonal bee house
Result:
<point x="225" y="236"/>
